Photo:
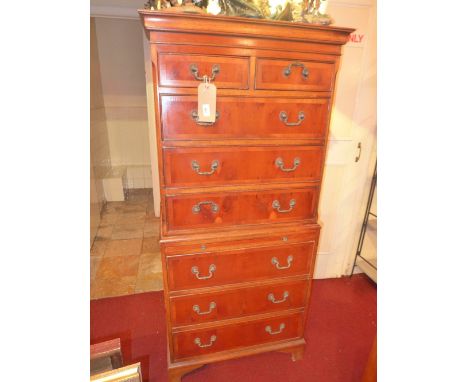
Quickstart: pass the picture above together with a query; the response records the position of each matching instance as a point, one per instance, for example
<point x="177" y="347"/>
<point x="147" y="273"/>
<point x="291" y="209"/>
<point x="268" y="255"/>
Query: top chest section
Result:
<point x="268" y="91"/>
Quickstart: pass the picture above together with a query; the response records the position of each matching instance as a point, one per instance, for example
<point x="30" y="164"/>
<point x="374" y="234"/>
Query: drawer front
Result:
<point x="187" y="70"/>
<point x="246" y="118"/>
<point x="215" y="166"/>
<point x="294" y="75"/>
<point x="236" y="208"/>
<point x="205" y="341"/>
<point x="194" y="309"/>
<point x="230" y="267"/>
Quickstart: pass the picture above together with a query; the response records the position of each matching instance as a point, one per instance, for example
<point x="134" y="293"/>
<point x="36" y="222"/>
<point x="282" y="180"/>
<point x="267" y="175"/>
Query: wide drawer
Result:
<point x="187" y="70"/>
<point x="236" y="266"/>
<point x="205" y="341"/>
<point x="214" y="210"/>
<point x="294" y="75"/>
<point x="245" y="118"/>
<point x="213" y="166"/>
<point x="207" y="307"/>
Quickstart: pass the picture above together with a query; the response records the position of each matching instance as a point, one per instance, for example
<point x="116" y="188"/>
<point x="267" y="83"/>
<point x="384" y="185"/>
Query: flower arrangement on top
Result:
<point x="310" y="11"/>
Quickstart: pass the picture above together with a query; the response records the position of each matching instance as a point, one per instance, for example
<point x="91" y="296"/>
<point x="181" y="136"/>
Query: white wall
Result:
<point x="120" y="47"/>
<point x="354" y="120"/>
<point x="99" y="143"/>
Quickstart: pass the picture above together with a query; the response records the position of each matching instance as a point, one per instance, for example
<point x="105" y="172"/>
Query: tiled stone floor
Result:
<point x="125" y="256"/>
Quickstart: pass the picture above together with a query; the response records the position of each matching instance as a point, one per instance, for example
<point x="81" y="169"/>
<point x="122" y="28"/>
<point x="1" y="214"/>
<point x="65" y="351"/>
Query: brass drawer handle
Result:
<point x="196" y="208"/>
<point x="276" y="206"/>
<point x="280" y="164"/>
<point x="271" y="297"/>
<point x="195" y="118"/>
<point x="196" y="168"/>
<point x="197" y="341"/>
<point x="305" y="71"/>
<point x="271" y="332"/>
<point x="275" y="262"/>
<point x="214" y="71"/>
<point x="212" y="306"/>
<point x="211" y="271"/>
<point x="284" y="118"/>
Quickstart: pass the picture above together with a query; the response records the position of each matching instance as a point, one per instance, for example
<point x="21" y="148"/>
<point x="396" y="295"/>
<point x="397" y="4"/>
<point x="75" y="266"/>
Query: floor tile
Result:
<point x="108" y="219"/>
<point x="130" y="218"/>
<point x="125" y="257"/>
<point x="98" y="248"/>
<point x="150" y="277"/>
<point x="151" y="232"/>
<point x="126" y="247"/>
<point x="136" y="207"/>
<point x="137" y="198"/>
<point x="150" y="245"/>
<point x="150" y="212"/>
<point x="152" y="219"/>
<point x="114" y="207"/>
<point x="94" y="264"/>
<point x="151" y="285"/>
<point x="104" y="232"/>
<point x="101" y="288"/>
<point x="115" y="267"/>
<point x="152" y="227"/>
<point x="150" y="266"/>
<point x="128" y="231"/>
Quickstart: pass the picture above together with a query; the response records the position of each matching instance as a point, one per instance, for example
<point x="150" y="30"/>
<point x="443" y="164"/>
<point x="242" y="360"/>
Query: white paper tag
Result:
<point x="206" y="102"/>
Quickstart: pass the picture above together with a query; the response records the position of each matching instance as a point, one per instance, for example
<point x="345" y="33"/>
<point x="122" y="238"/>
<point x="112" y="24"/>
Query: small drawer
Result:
<point x="220" y="165"/>
<point x="187" y="70"/>
<point x="238" y="266"/>
<point x="205" y="341"/>
<point x="207" y="307"/>
<point x="245" y="118"/>
<point x="294" y="75"/>
<point x="229" y="209"/>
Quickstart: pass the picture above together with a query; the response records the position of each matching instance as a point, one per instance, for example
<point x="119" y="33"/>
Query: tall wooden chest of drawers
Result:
<point x="239" y="196"/>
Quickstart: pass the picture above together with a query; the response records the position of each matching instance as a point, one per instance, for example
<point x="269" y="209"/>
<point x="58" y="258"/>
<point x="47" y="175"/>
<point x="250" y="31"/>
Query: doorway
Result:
<point x="120" y="144"/>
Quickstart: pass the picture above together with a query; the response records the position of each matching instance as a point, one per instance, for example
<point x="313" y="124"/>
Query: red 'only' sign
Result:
<point x="356" y="37"/>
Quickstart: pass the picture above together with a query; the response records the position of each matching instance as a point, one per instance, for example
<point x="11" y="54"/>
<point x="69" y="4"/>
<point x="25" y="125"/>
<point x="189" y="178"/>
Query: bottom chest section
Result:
<point x="236" y="291"/>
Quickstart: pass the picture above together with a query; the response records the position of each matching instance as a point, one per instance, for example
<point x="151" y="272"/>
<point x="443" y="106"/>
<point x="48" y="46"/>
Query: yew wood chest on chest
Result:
<point x="239" y="196"/>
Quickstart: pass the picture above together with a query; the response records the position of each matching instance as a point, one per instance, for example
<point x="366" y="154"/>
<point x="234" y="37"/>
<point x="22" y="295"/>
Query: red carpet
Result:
<point x="339" y="335"/>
